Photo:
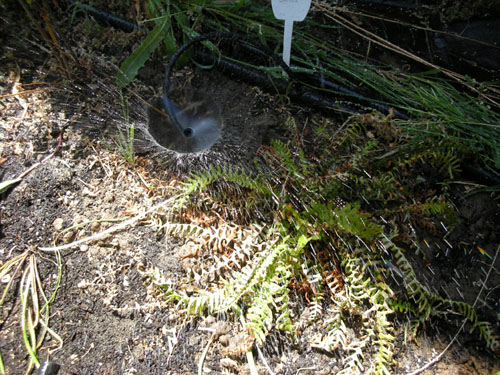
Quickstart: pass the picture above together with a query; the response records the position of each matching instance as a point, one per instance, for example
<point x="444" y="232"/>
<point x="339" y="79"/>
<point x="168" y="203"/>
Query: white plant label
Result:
<point x="290" y="11"/>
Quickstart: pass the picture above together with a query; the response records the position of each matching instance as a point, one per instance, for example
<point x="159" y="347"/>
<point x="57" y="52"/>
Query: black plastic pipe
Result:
<point x="479" y="174"/>
<point x="106" y="18"/>
<point x="289" y="87"/>
<point x="298" y="93"/>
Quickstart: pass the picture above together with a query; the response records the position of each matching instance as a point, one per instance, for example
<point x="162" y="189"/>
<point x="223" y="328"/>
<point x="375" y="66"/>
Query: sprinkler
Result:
<point x="196" y="126"/>
<point x="190" y="129"/>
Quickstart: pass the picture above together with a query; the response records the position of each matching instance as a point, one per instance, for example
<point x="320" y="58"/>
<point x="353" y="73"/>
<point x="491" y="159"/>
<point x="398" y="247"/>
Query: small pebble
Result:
<point x="209" y="320"/>
<point x="224" y="340"/>
<point x="109" y="197"/>
<point x="58" y="224"/>
<point x="139" y="353"/>
<point x="221" y="328"/>
<point x="68" y="237"/>
<point x="94" y="227"/>
<point x="229" y="363"/>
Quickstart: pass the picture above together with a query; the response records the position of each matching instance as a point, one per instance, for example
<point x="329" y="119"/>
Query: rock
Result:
<point x="94" y="227"/>
<point x="122" y="243"/>
<point x="58" y="224"/>
<point x="109" y="197"/>
<point x="224" y="340"/>
<point x="68" y="236"/>
<point x="229" y="364"/>
<point x="221" y="328"/>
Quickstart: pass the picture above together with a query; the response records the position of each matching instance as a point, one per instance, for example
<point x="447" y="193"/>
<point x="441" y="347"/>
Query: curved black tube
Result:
<point x="479" y="174"/>
<point x="282" y="86"/>
<point x="319" y="81"/>
<point x="307" y="96"/>
<point x="409" y="4"/>
<point x="302" y="94"/>
<point x="106" y="18"/>
<point x="49" y="368"/>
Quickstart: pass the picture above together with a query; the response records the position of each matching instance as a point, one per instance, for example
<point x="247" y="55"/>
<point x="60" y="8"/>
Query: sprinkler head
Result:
<point x="195" y="128"/>
<point x="188" y="132"/>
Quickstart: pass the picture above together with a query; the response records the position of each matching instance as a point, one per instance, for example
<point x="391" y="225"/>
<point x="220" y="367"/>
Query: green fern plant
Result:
<point x="309" y="212"/>
<point x="427" y="304"/>
<point x="262" y="285"/>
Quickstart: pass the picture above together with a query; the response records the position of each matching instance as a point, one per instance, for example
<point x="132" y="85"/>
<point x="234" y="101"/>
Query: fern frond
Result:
<point x="377" y="187"/>
<point x="486" y="332"/>
<point x="362" y="289"/>
<point x="200" y="180"/>
<point x="466" y="310"/>
<point x="269" y="303"/>
<point x="262" y="285"/>
<point x="436" y="205"/>
<point x="353" y="363"/>
<point x="285" y="155"/>
<point x="446" y="160"/>
<point x="348" y="219"/>
<point x="183" y="230"/>
<point x="337" y="330"/>
<point x="418" y="292"/>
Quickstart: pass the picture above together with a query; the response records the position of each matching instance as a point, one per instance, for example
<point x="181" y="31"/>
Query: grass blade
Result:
<point x="130" y="67"/>
<point x="5" y="185"/>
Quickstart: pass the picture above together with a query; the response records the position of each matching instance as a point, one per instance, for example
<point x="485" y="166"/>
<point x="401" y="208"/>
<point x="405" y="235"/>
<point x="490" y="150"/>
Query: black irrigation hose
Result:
<point x="299" y="93"/>
<point x="319" y="81"/>
<point x="106" y="18"/>
<point x="49" y="368"/>
<point x="308" y="96"/>
<point x="479" y="174"/>
<point x="408" y="4"/>
<point x="282" y="86"/>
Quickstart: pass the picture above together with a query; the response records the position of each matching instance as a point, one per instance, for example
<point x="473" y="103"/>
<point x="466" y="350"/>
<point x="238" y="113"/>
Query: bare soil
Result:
<point x="110" y="322"/>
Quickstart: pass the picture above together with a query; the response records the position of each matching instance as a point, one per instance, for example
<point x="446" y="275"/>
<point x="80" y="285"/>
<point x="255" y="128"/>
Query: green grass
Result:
<point x="33" y="303"/>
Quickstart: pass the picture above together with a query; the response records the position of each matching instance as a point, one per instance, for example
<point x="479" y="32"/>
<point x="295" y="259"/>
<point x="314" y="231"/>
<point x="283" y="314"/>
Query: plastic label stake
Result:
<point x="290" y="11"/>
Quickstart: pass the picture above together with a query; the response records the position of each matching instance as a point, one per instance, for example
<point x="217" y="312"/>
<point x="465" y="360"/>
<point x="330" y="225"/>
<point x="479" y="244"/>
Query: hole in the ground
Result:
<point x="198" y="128"/>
